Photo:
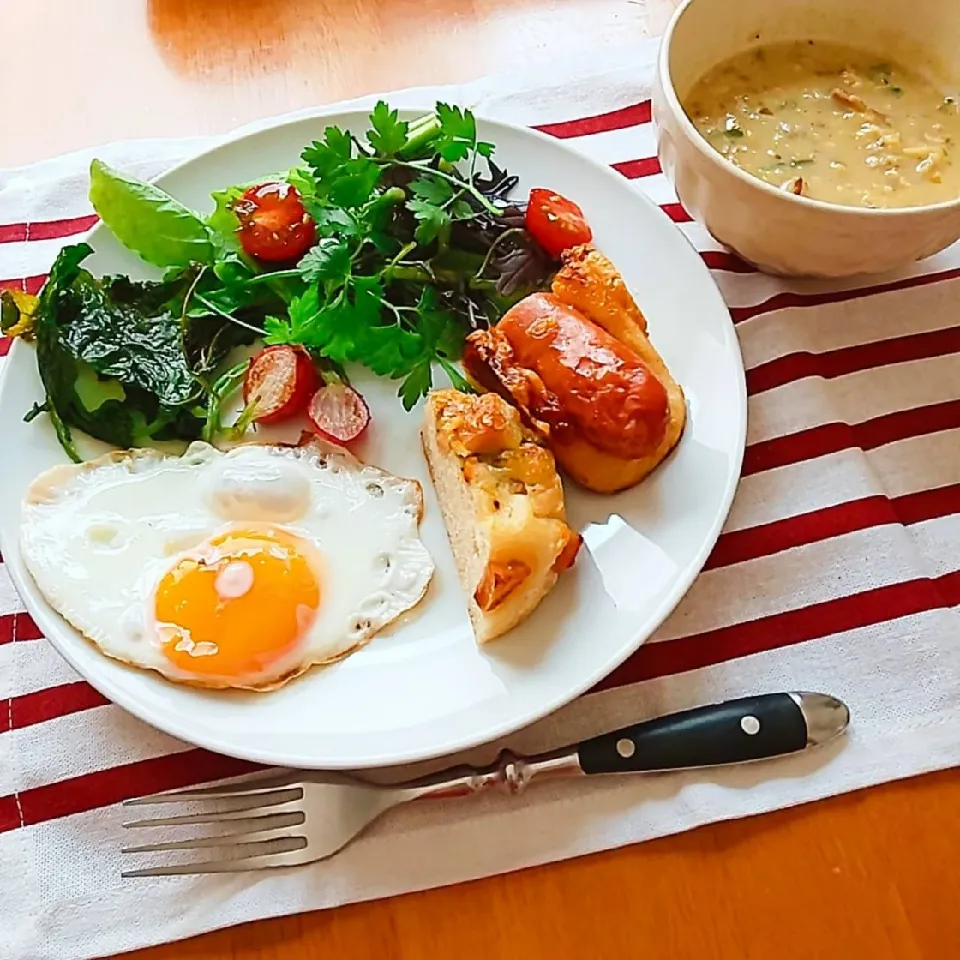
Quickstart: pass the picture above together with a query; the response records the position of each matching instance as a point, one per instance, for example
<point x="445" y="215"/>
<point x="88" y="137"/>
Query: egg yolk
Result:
<point x="239" y="603"/>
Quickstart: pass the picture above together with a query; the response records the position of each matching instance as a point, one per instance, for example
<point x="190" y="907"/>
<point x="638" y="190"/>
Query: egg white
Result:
<point x="98" y="536"/>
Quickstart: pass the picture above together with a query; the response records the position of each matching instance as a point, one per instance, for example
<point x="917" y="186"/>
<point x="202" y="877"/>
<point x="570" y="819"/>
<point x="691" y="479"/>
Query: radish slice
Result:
<point x="338" y="413"/>
<point x="279" y="383"/>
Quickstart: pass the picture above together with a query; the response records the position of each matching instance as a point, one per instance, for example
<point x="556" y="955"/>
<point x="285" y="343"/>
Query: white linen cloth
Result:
<point x="838" y="571"/>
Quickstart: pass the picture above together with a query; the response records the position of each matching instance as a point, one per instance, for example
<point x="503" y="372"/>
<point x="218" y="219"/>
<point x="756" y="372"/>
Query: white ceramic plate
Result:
<point x="424" y="688"/>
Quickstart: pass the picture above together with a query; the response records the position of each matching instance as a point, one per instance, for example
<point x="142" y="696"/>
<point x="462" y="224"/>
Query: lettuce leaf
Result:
<point x="148" y="221"/>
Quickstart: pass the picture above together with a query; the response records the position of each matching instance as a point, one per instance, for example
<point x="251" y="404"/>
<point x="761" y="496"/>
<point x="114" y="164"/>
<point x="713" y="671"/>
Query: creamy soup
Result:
<point x="832" y="123"/>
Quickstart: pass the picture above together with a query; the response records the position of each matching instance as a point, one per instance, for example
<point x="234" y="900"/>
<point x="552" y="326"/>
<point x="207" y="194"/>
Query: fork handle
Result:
<point x="737" y="731"/>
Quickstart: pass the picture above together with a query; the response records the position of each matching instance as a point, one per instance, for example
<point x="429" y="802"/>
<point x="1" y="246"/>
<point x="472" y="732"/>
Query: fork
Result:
<point x="296" y="817"/>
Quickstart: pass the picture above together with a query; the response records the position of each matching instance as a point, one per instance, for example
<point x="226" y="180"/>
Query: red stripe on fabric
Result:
<point x="27" y="284"/>
<point x="631" y="116"/>
<point x="832" y="437"/>
<point x="769" y="538"/>
<point x="676" y="212"/>
<point x="928" y="504"/>
<point x="724" y="260"/>
<point x="13" y="232"/>
<point x="57" y="229"/>
<point x="634" y="169"/>
<point x="783" y="300"/>
<point x="766" y="539"/>
<point x="104" y="787"/>
<point x="5" y="343"/>
<point x="46" y="229"/>
<point x="54" y="702"/>
<point x="9" y="814"/>
<point x="861" y="356"/>
<point x="19" y="625"/>
<point x="814" y="622"/>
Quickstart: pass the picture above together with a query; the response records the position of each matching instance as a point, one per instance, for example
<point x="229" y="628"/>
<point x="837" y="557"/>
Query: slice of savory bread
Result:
<point x="502" y="503"/>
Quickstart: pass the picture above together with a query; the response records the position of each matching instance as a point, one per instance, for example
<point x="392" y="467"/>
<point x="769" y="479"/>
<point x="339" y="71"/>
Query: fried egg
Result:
<point x="236" y="569"/>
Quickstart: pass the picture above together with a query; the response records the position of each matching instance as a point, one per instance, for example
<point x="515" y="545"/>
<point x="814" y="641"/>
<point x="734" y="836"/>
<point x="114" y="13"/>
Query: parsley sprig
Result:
<point x="400" y="272"/>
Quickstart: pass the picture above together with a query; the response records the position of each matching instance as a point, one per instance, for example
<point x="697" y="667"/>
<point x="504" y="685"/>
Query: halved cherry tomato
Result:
<point x="338" y="413"/>
<point x="274" y="226"/>
<point x="556" y="223"/>
<point x="279" y="383"/>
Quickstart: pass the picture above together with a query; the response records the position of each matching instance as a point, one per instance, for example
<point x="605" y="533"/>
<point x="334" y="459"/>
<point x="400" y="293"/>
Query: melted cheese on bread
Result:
<point x="502" y="503"/>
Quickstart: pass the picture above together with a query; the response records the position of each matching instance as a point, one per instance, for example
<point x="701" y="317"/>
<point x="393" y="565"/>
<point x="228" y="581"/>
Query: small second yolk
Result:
<point x="239" y="603"/>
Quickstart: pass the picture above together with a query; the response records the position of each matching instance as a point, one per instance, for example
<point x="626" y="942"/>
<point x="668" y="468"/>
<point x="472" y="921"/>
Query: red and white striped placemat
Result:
<point x="838" y="570"/>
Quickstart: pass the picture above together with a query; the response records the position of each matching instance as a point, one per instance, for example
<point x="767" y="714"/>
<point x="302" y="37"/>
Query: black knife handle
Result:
<point x="753" y="728"/>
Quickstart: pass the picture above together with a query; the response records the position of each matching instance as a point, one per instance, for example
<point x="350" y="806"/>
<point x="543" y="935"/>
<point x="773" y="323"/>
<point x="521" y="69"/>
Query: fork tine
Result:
<point x="269" y="821"/>
<point x="234" y="786"/>
<point x="260" y="797"/>
<point x="236" y="839"/>
<point x="235" y="805"/>
<point x="266" y="855"/>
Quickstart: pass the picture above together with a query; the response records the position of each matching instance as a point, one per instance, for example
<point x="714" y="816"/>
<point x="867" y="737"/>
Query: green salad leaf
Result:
<point x="388" y="133"/>
<point x="325" y="156"/>
<point x="126" y="331"/>
<point x="223" y="221"/>
<point x="329" y="260"/>
<point x="396" y="279"/>
<point x="148" y="221"/>
<point x="9" y="314"/>
<point x="432" y="221"/>
<point x="120" y="360"/>
<point x="417" y="244"/>
<point x="458" y="134"/>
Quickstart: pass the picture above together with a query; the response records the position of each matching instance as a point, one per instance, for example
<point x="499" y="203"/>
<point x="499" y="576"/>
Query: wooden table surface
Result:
<point x="869" y="875"/>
